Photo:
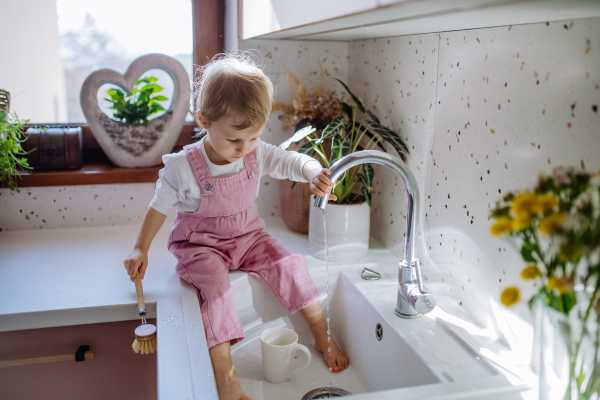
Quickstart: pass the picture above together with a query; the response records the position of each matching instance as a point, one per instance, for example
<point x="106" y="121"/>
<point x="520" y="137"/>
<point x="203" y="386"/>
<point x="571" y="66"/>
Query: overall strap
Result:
<point x="251" y="165"/>
<point x="207" y="185"/>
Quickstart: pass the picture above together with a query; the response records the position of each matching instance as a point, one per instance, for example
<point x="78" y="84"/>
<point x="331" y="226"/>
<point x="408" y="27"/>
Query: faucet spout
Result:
<point x="411" y="303"/>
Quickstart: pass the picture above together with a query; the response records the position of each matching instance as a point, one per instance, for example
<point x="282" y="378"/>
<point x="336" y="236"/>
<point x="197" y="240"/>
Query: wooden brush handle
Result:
<point x="140" y="295"/>
<point x="46" y="359"/>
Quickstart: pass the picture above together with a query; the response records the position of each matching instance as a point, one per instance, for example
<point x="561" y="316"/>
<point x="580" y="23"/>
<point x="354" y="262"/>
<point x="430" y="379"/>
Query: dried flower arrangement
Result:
<point x="321" y="106"/>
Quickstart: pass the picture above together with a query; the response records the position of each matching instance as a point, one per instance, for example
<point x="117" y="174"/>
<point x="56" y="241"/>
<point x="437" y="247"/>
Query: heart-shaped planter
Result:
<point x="136" y="145"/>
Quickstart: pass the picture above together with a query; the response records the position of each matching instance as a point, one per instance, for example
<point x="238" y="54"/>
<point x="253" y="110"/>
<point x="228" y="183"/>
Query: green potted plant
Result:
<point x="138" y="105"/>
<point x="130" y="127"/>
<point x="557" y="228"/>
<point x="12" y="136"/>
<point x="355" y="128"/>
<point x="319" y="106"/>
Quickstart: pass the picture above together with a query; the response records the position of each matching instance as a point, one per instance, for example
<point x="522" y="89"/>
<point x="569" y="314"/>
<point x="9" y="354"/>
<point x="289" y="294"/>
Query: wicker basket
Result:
<point x="295" y="204"/>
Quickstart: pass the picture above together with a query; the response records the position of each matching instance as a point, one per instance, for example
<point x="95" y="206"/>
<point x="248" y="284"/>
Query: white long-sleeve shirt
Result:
<point x="177" y="185"/>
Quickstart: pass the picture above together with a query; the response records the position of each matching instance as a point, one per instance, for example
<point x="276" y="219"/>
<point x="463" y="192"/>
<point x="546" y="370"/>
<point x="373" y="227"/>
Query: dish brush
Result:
<point x="145" y="334"/>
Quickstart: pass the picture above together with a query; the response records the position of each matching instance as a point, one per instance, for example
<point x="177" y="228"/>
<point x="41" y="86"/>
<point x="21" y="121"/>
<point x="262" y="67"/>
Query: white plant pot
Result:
<point x="348" y="228"/>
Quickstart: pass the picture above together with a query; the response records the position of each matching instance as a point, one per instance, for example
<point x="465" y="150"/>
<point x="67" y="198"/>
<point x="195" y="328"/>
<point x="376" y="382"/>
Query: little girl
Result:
<point x="213" y="184"/>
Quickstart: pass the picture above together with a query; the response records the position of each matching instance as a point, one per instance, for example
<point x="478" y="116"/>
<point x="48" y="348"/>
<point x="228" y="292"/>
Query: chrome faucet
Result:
<point x="413" y="298"/>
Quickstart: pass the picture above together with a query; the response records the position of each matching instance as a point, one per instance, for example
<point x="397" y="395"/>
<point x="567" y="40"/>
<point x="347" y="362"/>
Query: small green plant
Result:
<point x="136" y="107"/>
<point x="11" y="152"/>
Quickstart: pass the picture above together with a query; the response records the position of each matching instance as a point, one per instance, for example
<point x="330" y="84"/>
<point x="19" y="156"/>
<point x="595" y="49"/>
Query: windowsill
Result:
<point x="97" y="169"/>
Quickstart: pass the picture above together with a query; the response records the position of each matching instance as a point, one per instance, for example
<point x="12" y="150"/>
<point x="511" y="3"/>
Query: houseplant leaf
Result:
<point x="339" y="148"/>
<point x="373" y="117"/>
<point x="307" y="148"/>
<point x="334" y="129"/>
<point x="366" y="178"/>
<point x="11" y="137"/>
<point x="356" y="100"/>
<point x="388" y="135"/>
<point x="136" y="107"/>
<point x="152" y="88"/>
<point x="369" y="134"/>
<point x="298" y="136"/>
<point x="148" y="79"/>
<point x="347" y="109"/>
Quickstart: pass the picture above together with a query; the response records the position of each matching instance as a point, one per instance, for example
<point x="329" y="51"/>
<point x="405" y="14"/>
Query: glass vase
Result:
<point x="566" y="354"/>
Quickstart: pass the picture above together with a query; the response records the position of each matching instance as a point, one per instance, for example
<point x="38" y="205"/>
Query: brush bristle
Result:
<point x="145" y="347"/>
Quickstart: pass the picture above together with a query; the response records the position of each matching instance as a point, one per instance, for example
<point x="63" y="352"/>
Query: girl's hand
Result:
<point x="136" y="261"/>
<point x="321" y="185"/>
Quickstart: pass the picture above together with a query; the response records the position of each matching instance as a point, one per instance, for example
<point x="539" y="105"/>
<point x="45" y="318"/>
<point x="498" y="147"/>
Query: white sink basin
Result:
<point x="415" y="359"/>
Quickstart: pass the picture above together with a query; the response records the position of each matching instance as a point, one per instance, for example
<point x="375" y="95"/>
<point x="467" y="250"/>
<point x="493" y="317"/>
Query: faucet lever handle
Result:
<point x="416" y="264"/>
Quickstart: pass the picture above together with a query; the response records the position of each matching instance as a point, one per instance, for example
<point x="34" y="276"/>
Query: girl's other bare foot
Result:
<point x="336" y="359"/>
<point x="225" y="376"/>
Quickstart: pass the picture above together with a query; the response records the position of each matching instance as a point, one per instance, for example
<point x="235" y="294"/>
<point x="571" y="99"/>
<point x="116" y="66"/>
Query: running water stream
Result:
<point x="327" y="266"/>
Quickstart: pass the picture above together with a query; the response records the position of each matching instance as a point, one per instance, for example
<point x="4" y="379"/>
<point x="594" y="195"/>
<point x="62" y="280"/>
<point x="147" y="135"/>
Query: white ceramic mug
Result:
<point x="278" y="346"/>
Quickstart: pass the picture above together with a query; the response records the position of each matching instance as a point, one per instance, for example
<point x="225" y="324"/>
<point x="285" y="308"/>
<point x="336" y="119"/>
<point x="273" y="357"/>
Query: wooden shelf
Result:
<point x="97" y="168"/>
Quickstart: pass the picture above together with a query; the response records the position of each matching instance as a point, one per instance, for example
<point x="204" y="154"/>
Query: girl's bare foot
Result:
<point x="229" y="387"/>
<point x="336" y="359"/>
<point x="225" y="376"/>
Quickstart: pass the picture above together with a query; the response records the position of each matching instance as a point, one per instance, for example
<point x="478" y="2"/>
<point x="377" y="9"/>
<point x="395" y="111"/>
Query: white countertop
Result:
<point x="59" y="277"/>
<point x="76" y="276"/>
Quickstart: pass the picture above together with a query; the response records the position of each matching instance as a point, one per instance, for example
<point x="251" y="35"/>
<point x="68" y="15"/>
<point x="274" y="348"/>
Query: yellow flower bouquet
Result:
<point x="557" y="227"/>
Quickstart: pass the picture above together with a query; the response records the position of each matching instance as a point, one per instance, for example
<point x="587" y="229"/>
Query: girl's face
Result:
<point x="226" y="144"/>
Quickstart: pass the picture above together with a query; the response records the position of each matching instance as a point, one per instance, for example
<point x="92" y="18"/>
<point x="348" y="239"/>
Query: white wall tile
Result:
<point x="395" y="78"/>
<point x="513" y="102"/>
<point x="74" y="206"/>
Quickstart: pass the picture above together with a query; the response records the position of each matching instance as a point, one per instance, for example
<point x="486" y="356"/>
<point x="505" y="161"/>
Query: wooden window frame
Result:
<point x="208" y="18"/>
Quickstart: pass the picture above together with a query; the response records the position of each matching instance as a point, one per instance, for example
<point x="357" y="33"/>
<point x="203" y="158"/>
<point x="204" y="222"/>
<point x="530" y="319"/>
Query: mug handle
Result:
<point x="307" y="352"/>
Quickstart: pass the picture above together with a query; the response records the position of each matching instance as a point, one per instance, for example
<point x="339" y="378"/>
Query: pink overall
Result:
<point x="225" y="234"/>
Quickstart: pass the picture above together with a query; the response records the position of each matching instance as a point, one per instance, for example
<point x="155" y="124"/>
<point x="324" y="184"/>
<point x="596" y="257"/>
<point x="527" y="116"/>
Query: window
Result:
<point x="54" y="45"/>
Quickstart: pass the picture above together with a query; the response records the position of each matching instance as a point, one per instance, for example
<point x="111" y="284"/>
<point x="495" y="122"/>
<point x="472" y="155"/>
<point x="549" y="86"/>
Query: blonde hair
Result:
<point x="233" y="83"/>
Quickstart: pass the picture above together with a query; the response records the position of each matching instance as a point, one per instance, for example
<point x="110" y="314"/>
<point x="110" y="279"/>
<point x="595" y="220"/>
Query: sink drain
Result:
<point x="326" y="393"/>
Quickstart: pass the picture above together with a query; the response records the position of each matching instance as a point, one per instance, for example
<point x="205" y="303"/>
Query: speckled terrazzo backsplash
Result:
<point x="484" y="111"/>
<point x="74" y="206"/>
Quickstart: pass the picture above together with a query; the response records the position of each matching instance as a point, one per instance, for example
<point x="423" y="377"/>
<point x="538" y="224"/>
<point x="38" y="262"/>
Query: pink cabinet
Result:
<point x="116" y="372"/>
